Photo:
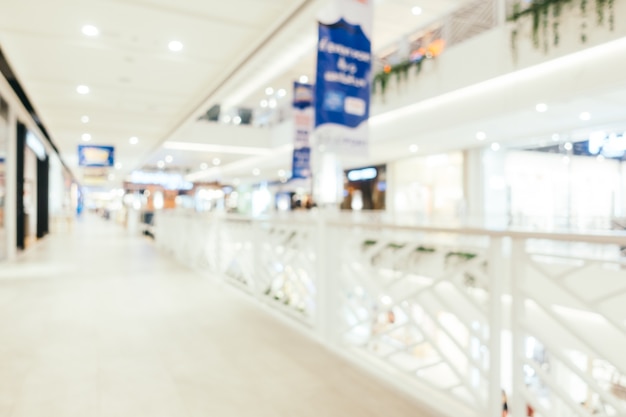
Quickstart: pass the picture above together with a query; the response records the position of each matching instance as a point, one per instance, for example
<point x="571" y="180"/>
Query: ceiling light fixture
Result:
<point x="237" y="120"/>
<point x="416" y="11"/>
<point x="134" y="140"/>
<point x="556" y="137"/>
<point x="568" y="146"/>
<point x="282" y="92"/>
<point x="481" y="135"/>
<point x="86" y="137"/>
<point x="175" y="46"/>
<point x="541" y="107"/>
<point x="495" y="146"/>
<point x="269" y="91"/>
<point x="82" y="89"/>
<point x="84" y="119"/>
<point x="216" y="161"/>
<point x="264" y="103"/>
<point x="118" y="165"/>
<point x="414" y="148"/>
<point x="226" y="119"/>
<point x="585" y="116"/>
<point x="304" y="79"/>
<point x="161" y="164"/>
<point x="90" y="30"/>
<point x="169" y="159"/>
<point x="282" y="173"/>
<point x="256" y="172"/>
<point x="204" y="166"/>
<point x="273" y="103"/>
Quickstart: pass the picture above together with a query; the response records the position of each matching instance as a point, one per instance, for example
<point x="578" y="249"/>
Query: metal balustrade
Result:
<point x="430" y="310"/>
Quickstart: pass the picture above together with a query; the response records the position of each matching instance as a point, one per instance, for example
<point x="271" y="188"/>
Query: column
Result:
<point x="10" y="204"/>
<point x="473" y="185"/>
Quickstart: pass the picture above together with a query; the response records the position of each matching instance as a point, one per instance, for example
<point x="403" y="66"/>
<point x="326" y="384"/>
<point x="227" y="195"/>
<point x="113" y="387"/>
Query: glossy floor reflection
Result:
<point x="97" y="323"/>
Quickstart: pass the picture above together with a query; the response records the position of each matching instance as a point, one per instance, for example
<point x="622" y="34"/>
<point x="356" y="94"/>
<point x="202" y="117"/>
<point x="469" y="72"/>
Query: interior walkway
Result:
<point x="96" y="323"/>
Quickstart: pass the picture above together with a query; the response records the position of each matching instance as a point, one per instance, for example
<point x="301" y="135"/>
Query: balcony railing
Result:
<point x="448" y="315"/>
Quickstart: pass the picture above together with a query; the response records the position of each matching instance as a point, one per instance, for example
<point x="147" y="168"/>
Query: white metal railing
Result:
<point x="450" y="315"/>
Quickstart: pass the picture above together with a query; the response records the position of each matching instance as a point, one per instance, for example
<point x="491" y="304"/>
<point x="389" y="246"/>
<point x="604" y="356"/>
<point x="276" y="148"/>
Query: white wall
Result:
<point x="427" y="186"/>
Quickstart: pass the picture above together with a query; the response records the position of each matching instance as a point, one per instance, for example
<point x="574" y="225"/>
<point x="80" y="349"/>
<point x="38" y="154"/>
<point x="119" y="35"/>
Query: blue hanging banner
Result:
<point x="343" y="80"/>
<point x="303" y="120"/>
<point x="96" y="156"/>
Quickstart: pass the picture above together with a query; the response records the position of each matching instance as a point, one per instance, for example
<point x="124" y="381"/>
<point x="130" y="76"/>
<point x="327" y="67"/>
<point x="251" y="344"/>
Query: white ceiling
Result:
<point x="232" y="51"/>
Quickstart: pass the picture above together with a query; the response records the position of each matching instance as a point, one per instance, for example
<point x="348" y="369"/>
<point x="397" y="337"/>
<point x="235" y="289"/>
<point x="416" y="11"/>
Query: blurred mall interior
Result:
<point x="163" y="251"/>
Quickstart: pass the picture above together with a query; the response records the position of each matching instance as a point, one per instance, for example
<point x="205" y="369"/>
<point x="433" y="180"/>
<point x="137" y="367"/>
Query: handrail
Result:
<point x="596" y="237"/>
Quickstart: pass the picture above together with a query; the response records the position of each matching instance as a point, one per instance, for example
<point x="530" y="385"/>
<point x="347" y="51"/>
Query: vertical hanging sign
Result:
<point x="343" y="81"/>
<point x="303" y="117"/>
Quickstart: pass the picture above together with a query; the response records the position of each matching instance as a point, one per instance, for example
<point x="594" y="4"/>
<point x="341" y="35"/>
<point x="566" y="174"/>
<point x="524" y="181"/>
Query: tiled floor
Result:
<point x="96" y="323"/>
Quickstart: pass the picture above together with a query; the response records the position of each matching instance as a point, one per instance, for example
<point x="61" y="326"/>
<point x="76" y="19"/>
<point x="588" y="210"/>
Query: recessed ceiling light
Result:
<point x="541" y="107"/>
<point x="304" y="79"/>
<point x="414" y="148"/>
<point x="495" y="146"/>
<point x="273" y="104"/>
<point x="175" y="46"/>
<point x="566" y="160"/>
<point x="237" y="120"/>
<point x="282" y="173"/>
<point x="282" y="92"/>
<point x="269" y="91"/>
<point x="134" y="140"/>
<point x="161" y="164"/>
<point x="416" y="11"/>
<point x="84" y="119"/>
<point x="86" y="137"/>
<point x="481" y="135"/>
<point x="585" y="116"/>
<point x="111" y="177"/>
<point x="216" y="161"/>
<point x="601" y="158"/>
<point x="169" y="159"/>
<point x="118" y="165"/>
<point x="256" y="172"/>
<point x="204" y="166"/>
<point x="82" y="89"/>
<point x="568" y="146"/>
<point x="556" y="137"/>
<point x="264" y="103"/>
<point x="90" y="30"/>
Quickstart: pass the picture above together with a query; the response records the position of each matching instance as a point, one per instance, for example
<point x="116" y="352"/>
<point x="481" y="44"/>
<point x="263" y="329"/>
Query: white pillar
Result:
<point x="328" y="179"/>
<point x="517" y="402"/>
<point x="10" y="202"/>
<point x="497" y="274"/>
<point x="473" y="184"/>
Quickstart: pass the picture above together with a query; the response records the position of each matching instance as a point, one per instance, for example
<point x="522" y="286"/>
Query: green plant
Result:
<point x="400" y="71"/>
<point x="539" y="11"/>
<point x="425" y="249"/>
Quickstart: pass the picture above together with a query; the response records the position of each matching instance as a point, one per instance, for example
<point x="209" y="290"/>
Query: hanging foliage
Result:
<point x="401" y="70"/>
<point x="542" y="11"/>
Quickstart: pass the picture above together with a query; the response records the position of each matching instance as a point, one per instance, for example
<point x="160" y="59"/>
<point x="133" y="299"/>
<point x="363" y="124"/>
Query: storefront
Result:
<point x="365" y="189"/>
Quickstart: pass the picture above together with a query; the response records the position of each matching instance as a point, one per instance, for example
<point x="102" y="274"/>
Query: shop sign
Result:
<point x="96" y="156"/>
